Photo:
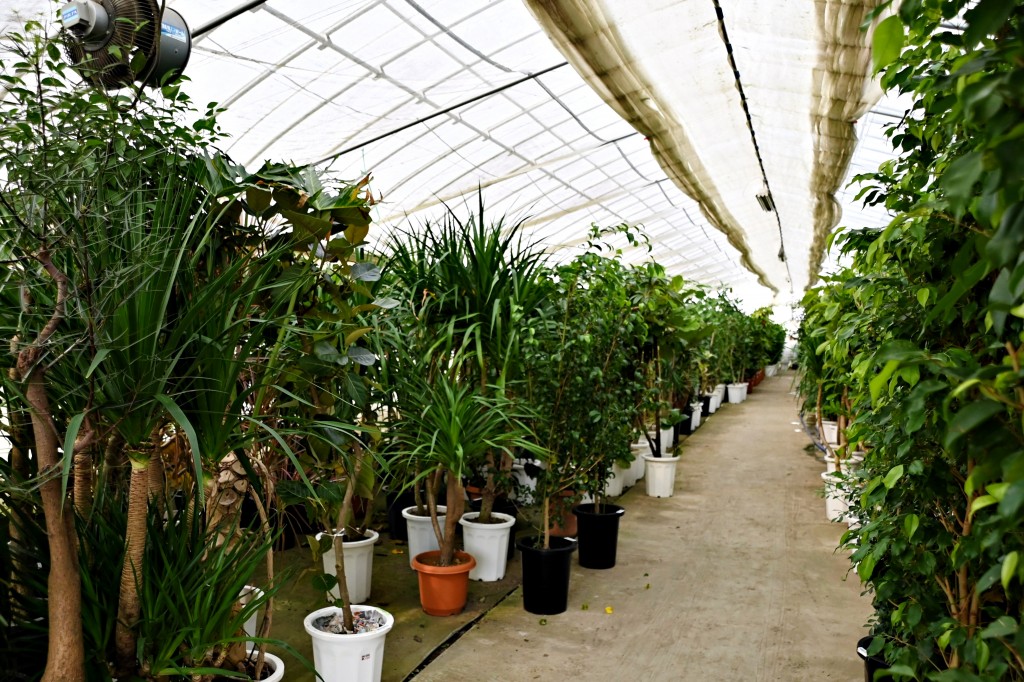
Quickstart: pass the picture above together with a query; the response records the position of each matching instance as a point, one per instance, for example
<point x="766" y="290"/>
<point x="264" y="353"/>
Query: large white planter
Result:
<point x="616" y="481"/>
<point x="627" y="473"/>
<point x="720" y="392"/>
<point x="639" y="450"/>
<point x="421" y="531"/>
<point x="835" y="497"/>
<point x="667" y="440"/>
<point x="715" y="402"/>
<point x="770" y="370"/>
<point x="248" y="593"/>
<point x="358" y="566"/>
<point x="830" y="430"/>
<point x="661" y="475"/>
<point x="271" y="662"/>
<point x="488" y="544"/>
<point x="697" y="410"/>
<point x="348" y="658"/>
<point x="737" y="393"/>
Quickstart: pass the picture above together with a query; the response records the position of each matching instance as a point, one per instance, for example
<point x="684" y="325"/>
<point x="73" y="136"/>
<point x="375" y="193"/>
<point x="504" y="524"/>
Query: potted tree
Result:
<point x="447" y="427"/>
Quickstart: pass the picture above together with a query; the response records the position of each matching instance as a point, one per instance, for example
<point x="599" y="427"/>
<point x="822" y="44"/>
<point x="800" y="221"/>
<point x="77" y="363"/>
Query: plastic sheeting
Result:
<point x="645" y="125"/>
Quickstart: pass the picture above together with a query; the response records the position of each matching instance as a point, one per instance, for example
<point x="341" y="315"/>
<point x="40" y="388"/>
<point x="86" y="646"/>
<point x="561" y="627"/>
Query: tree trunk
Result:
<point x="455" y="504"/>
<point x="84" y="484"/>
<point x="65" y="658"/>
<point x="129" y="608"/>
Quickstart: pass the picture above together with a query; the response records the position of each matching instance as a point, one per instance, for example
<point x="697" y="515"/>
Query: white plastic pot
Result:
<point x="271" y="662"/>
<point x="358" y="566"/>
<point x="488" y="544"/>
<point x="770" y="370"/>
<point x="737" y="393"/>
<point x="248" y="593"/>
<point x="668" y="436"/>
<point x="348" y="658"/>
<point x="421" y="531"/>
<point x="830" y="430"/>
<point x="697" y="409"/>
<point x="661" y="475"/>
<point x="616" y="481"/>
<point x="836" y="504"/>
<point x="714" y="403"/>
<point x="637" y="468"/>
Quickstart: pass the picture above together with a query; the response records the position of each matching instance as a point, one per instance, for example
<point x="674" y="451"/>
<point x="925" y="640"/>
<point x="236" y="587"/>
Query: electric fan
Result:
<point x="115" y="42"/>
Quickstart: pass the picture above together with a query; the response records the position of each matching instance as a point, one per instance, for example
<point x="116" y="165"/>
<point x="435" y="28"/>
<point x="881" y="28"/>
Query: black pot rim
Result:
<point x="559" y="544"/>
<point x="589" y="509"/>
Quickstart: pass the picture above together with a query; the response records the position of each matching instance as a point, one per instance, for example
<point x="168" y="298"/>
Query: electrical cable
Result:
<point x="753" y="136"/>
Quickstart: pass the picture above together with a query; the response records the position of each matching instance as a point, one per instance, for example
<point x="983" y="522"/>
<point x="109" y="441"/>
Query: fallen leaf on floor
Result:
<point x="397" y="551"/>
<point x="585" y="607"/>
<point x="417" y="638"/>
<point x="608" y="609"/>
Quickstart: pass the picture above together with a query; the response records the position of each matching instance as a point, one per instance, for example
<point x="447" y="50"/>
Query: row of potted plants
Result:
<point x="199" y="351"/>
<point x="914" y="349"/>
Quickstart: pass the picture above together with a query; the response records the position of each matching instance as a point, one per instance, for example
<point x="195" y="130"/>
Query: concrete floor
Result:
<point x="734" y="578"/>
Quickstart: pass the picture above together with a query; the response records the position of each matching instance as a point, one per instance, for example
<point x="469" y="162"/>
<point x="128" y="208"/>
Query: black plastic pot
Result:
<point x="872" y="664"/>
<point x="546" y="574"/>
<point x="705" y="403"/>
<point x="396" y="522"/>
<point x="598" y="534"/>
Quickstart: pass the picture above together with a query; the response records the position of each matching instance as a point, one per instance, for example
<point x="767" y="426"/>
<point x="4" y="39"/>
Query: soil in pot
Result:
<point x="599" y="534"/>
<point x="443" y="589"/>
<point x="546" y="574"/>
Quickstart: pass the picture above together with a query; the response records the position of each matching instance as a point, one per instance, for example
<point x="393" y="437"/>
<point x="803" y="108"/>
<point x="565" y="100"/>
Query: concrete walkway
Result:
<point x="733" y="579"/>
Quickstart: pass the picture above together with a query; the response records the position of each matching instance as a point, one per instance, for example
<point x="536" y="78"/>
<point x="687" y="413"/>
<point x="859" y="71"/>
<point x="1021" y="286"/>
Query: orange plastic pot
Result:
<point x="443" y="589"/>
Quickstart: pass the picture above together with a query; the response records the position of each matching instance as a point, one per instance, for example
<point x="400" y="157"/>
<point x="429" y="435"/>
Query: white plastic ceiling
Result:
<point x="648" y="106"/>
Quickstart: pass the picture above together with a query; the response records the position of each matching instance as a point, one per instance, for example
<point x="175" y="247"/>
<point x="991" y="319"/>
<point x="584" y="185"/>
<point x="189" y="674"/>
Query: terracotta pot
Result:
<point x="443" y="589"/>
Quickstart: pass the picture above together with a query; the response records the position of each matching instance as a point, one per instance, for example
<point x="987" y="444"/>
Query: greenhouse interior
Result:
<point x="362" y="340"/>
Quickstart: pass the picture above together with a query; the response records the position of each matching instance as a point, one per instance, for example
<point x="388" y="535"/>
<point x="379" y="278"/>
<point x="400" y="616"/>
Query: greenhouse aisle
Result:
<point x="733" y="578"/>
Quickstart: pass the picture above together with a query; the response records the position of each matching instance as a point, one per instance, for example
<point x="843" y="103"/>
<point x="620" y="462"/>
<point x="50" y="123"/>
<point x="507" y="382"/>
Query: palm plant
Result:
<point x="449" y="427"/>
<point x="481" y="274"/>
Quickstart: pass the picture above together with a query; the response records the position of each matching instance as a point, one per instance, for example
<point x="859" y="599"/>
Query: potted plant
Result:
<point x="447" y="427"/>
<point x="586" y="388"/>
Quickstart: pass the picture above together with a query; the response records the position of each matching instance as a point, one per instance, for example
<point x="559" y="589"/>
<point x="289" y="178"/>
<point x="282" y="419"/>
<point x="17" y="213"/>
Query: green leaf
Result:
<point x="910" y="524"/>
<point x="984" y="19"/>
<point x="1006" y="243"/>
<point x="69" y="451"/>
<point x="258" y="199"/>
<point x="901" y="670"/>
<point x="190" y="433"/>
<point x="1003" y="626"/>
<point x="922" y="296"/>
<point x="866" y="567"/>
<point x="894" y="475"/>
<point x="886" y="43"/>
<point x="386" y="303"/>
<point x="981" y="502"/>
<point x="365" y="272"/>
<point x="960" y="178"/>
<point x="881" y="379"/>
<point x="1009" y="569"/>
<point x="100" y="354"/>
<point x="307" y="227"/>
<point x="1013" y="498"/>
<point x="361" y="356"/>
<point x="969" y="418"/>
